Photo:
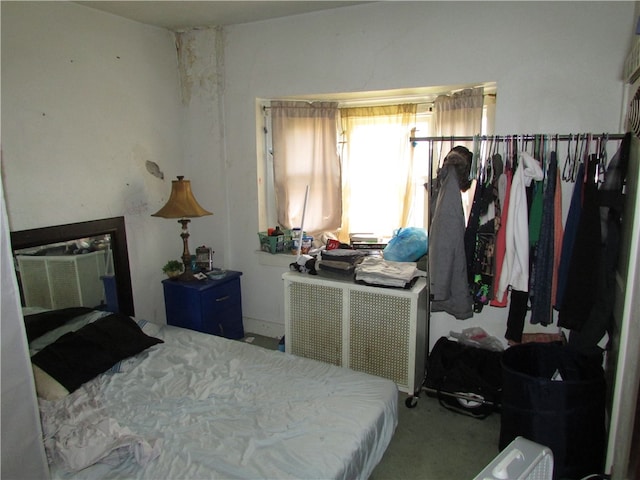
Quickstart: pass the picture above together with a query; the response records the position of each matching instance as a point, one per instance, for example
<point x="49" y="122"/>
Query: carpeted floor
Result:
<point x="433" y="443"/>
<point x="430" y="442"/>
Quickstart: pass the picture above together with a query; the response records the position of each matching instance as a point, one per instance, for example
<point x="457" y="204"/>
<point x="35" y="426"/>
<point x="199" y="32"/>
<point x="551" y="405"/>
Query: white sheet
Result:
<point x="216" y="408"/>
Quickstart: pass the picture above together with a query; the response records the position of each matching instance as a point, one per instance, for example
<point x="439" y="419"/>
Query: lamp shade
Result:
<point x="181" y="203"/>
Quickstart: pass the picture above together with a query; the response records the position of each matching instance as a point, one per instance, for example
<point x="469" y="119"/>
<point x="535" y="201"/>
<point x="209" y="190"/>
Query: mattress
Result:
<point x="202" y="406"/>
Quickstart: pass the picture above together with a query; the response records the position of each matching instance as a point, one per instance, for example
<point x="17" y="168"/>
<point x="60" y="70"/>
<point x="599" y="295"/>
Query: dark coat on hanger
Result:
<point x="447" y="260"/>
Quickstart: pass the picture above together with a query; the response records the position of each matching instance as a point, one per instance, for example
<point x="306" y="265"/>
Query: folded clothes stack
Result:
<point x="380" y="272"/>
<point x="339" y="261"/>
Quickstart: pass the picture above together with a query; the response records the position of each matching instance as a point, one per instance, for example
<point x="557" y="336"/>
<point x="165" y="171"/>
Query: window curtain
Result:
<point x="305" y="152"/>
<point x="377" y="196"/>
<point x="458" y="114"/>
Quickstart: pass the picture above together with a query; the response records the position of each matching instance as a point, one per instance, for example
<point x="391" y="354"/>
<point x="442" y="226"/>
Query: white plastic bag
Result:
<point x="478" y="337"/>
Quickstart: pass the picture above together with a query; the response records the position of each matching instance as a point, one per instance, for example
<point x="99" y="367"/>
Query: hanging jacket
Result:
<point x="541" y="311"/>
<point x="558" y="236"/>
<point x="585" y="266"/>
<point x="449" y="288"/>
<point x="611" y="200"/>
<point x="569" y="238"/>
<point x="515" y="266"/>
<point x="501" y="239"/>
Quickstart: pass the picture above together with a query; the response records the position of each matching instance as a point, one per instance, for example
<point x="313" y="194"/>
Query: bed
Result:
<point x="174" y="403"/>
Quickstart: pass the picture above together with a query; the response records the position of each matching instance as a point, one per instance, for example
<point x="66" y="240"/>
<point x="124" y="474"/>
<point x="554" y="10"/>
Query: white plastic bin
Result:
<point x="522" y="459"/>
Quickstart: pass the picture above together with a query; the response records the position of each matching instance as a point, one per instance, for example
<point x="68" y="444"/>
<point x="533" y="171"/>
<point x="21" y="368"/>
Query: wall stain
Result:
<point x="200" y="72"/>
<point x="186" y="58"/>
<point x="154" y="169"/>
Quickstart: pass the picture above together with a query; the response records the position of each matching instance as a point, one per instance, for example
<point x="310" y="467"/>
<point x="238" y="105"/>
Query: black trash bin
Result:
<point x="555" y="396"/>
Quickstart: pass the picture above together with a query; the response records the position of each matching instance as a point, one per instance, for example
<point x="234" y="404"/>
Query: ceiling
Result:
<point x="181" y="15"/>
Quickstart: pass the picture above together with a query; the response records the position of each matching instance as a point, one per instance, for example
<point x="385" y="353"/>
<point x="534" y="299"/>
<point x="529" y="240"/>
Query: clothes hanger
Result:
<point x="577" y="158"/>
<point x="568" y="168"/>
<point x="542" y="152"/>
<point x="440" y="150"/>
<point x="602" y="157"/>
<point x="585" y="158"/>
<point x="489" y="174"/>
<point x="476" y="158"/>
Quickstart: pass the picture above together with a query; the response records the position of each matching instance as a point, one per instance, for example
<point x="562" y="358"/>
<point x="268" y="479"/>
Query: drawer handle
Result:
<point x="222" y="299"/>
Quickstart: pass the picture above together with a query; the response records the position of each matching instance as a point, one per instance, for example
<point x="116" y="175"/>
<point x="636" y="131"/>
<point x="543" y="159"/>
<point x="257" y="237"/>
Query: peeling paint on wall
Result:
<point x="186" y="57"/>
<point x="200" y="67"/>
<point x="154" y="169"/>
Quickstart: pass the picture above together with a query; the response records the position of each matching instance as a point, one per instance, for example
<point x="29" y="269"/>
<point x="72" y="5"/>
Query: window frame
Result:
<point x="267" y="216"/>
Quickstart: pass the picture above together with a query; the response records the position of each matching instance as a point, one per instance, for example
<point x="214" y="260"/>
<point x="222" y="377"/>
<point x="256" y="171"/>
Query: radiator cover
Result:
<point x="381" y="331"/>
<point x="61" y="281"/>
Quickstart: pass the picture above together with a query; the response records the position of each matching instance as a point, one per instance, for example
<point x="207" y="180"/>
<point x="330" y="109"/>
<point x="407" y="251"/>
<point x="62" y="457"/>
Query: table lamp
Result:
<point x="183" y="205"/>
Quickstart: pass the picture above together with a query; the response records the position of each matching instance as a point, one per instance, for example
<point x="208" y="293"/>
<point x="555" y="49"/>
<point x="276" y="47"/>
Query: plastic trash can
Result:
<point x="555" y="396"/>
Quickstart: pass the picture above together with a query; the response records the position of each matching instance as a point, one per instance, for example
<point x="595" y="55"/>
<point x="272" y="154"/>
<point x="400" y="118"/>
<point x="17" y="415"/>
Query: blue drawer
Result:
<point x="209" y="306"/>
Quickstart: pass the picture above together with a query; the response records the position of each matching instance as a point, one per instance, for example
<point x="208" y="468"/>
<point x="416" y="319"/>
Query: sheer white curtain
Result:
<point x="458" y="114"/>
<point x="377" y="188"/>
<point x="305" y="143"/>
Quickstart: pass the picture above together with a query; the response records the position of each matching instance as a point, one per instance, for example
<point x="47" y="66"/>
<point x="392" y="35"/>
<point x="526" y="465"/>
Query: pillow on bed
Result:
<point x="75" y="323"/>
<point x="38" y="324"/>
<point x="47" y="387"/>
<point x="77" y="357"/>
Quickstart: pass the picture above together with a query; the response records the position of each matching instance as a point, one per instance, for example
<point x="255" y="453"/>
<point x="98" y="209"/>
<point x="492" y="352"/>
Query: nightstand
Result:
<point x="209" y="306"/>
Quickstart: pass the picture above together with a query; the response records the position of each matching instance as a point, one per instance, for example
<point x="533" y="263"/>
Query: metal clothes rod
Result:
<point x="502" y="138"/>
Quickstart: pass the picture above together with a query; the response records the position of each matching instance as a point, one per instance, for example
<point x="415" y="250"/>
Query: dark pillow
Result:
<point x="38" y="324"/>
<point x="77" y="357"/>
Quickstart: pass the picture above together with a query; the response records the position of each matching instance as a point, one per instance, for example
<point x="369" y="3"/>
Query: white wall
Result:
<point x="557" y="67"/>
<point x="79" y="122"/>
<point x="21" y="433"/>
<point x="87" y="99"/>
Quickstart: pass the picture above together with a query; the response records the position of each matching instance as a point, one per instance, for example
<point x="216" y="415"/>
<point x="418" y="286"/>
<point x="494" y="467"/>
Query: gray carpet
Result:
<point x="431" y="442"/>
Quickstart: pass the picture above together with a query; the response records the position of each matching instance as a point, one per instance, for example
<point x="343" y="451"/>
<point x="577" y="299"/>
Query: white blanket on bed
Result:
<point x="84" y="434"/>
<point x="208" y="407"/>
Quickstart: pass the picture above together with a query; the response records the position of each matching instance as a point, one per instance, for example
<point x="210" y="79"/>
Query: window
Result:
<point x="377" y="168"/>
<point x="382" y="174"/>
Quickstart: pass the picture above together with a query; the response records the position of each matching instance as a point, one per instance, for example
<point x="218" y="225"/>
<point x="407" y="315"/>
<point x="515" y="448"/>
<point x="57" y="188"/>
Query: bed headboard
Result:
<point x="114" y="227"/>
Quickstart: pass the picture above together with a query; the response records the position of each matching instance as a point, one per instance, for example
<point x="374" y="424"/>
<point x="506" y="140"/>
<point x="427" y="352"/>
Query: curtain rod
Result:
<point x="501" y="138"/>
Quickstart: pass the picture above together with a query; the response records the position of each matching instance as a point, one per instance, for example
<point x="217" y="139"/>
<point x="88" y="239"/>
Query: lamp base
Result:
<point x="186" y="276"/>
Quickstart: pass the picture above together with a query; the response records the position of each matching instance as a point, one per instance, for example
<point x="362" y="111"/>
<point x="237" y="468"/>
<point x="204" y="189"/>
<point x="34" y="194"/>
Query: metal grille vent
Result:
<point x="379" y="340"/>
<point x="62" y="281"/>
<point x="64" y="284"/>
<point x="632" y="63"/>
<point x="316" y="322"/>
<point x="35" y="283"/>
<point x="633" y="114"/>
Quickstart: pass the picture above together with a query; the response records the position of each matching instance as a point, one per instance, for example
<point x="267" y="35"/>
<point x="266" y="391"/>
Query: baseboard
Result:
<point x="263" y="327"/>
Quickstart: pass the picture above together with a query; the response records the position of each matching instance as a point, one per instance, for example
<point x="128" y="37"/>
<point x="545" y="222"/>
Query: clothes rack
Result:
<point x="502" y="138"/>
<point x="579" y="138"/>
<point x="589" y="148"/>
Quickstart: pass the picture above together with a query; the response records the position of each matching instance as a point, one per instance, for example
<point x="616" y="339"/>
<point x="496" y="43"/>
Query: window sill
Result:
<point x="275" y="259"/>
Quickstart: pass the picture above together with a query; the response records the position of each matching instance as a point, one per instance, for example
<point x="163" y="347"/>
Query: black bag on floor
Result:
<point x="465" y="379"/>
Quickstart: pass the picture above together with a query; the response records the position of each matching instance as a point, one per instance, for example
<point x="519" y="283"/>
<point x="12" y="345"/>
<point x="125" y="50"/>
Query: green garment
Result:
<point x="535" y="214"/>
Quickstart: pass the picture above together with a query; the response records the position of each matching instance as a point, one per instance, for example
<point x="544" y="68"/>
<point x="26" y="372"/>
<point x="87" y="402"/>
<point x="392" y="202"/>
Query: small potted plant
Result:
<point x="172" y="268"/>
